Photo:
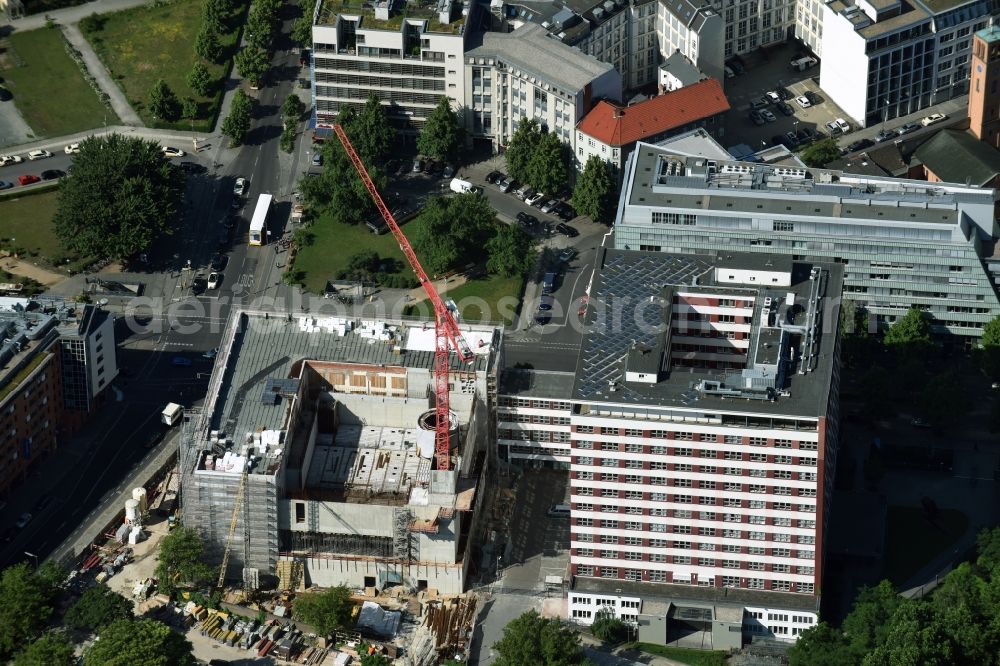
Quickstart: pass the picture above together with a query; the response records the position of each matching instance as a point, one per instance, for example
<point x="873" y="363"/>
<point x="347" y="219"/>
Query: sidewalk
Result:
<point x="69" y="15"/>
<point x="56" y="144"/>
<point x="97" y="69"/>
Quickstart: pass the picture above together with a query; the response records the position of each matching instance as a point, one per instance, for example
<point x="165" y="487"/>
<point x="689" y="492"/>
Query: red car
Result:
<point x="28" y="179"/>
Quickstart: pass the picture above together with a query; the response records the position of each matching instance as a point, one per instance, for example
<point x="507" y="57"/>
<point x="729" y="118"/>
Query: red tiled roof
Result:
<point x="659" y="114"/>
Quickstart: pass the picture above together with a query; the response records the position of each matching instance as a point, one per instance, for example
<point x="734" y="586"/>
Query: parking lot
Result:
<point x="539" y="543"/>
<point x="762" y="76"/>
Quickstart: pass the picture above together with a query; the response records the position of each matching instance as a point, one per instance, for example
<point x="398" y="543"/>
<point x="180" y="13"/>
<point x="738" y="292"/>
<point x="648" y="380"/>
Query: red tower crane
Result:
<point x="446" y="331"/>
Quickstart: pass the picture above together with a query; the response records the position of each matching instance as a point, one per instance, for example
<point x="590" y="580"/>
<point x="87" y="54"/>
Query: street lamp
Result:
<point x="34" y="556"/>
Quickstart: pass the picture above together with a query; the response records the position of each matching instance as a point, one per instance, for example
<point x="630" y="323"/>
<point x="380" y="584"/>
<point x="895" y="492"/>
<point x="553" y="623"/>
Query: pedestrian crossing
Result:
<point x="246" y="280"/>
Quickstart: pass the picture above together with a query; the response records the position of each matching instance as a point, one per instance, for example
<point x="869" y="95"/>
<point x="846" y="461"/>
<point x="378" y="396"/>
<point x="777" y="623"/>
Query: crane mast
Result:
<point x="446" y="332"/>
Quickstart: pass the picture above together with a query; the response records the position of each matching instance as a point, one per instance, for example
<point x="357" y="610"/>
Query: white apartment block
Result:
<point x="894" y="59"/>
<point x="529" y="74"/>
<point x="695" y="30"/>
<point x="700" y="429"/>
<point x="409" y="54"/>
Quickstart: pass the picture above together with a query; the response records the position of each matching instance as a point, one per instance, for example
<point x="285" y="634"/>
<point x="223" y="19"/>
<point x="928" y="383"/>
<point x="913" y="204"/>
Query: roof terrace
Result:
<point x="391" y="14"/>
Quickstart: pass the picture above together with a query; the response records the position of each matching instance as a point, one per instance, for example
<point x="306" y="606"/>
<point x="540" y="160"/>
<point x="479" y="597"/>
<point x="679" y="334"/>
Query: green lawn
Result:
<point x="334" y="244"/>
<point x="144" y="44"/>
<point x="685" y="655"/>
<point x="501" y="296"/>
<point x="49" y="89"/>
<point x="912" y="541"/>
<point x="28" y="220"/>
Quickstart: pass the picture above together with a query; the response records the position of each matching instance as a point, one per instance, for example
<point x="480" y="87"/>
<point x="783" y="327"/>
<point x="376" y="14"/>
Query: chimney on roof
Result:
<point x="617" y="113"/>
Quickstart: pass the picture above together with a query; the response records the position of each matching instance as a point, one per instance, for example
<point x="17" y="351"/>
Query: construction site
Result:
<point x="313" y="462"/>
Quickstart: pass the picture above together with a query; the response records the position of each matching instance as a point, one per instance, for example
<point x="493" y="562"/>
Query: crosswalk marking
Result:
<point x="246" y="280"/>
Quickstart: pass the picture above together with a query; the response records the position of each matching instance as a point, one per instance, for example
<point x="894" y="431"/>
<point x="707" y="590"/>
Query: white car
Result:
<point x="72" y="149"/>
<point x="773" y="97"/>
<point x="10" y="159"/>
<point x="39" y="154"/>
<point x="534" y="199"/>
<point x="803" y="101"/>
<point x="844" y="126"/>
<point x="172" y="152"/>
<point x="240" y="187"/>
<point x="932" y="119"/>
<point x="214" y="280"/>
<point x="833" y="128"/>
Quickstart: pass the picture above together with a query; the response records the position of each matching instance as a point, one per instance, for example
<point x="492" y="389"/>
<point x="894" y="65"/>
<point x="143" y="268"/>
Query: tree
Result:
<point x="442" y="135"/>
<point x="509" y="251"/>
<point x="287" y="140"/>
<point x="592" y="195"/>
<point x="50" y="650"/>
<point x="453" y="230"/>
<point x="547" y="171"/>
<point x="237" y="123"/>
<point x="373" y="132"/>
<point x="910" y="335"/>
<point x="144" y="641"/>
<point x="302" y="30"/>
<point x="200" y="80"/>
<point x="373" y="659"/>
<point x="121" y="195"/>
<point x="182" y="559"/>
<point x="326" y="611"/>
<point x="214" y="15"/>
<point x="292" y="107"/>
<point x="913" y="636"/>
<point x="991" y="333"/>
<point x="207" y="44"/>
<point x="26" y="599"/>
<point x="819" y="645"/>
<point x="532" y="639"/>
<point x="607" y="627"/>
<point x="521" y="148"/>
<point x="163" y="102"/>
<point x="189" y="109"/>
<point x="820" y="153"/>
<point x="98" y="606"/>
<point x="252" y="64"/>
<point x="262" y="24"/>
<point x="868" y="622"/>
<point x="991" y="347"/>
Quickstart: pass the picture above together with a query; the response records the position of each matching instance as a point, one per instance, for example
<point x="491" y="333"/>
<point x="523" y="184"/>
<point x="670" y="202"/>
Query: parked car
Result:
<point x="785" y="108"/>
<point x="72" y="149"/>
<point x="52" y="174"/>
<point x="792" y="140"/>
<point x="567" y="230"/>
<point x="23" y="521"/>
<point x="418" y="165"/>
<point x="784" y="93"/>
<point x="240" y="188"/>
<point x="448" y="171"/>
<point x="214" y="280"/>
<point x="759" y="103"/>
<point x="317" y="159"/>
<point x="211" y="353"/>
<point x="782" y="140"/>
<point x="803" y="101"/>
<point x="170" y="151"/>
<point x="39" y="154"/>
<point x="565" y="212"/>
<point x="932" y="119"/>
<point x="844" y="126"/>
<point x="28" y="179"/>
<point x="219" y="262"/>
<point x="860" y="144"/>
<point x="567" y="255"/>
<point x="535" y="199"/>
<point x="735" y="65"/>
<point x="526" y="220"/>
<point x="10" y="159"/>
<point x="773" y="96"/>
<point x="806" y="134"/>
<point x="885" y="135"/>
<point x="180" y="361"/>
<point x="429" y="165"/>
<point x="506" y="184"/>
<point x="768" y="116"/>
<point x="494" y="177"/>
<point x="813" y="97"/>
<point x="550" y="205"/>
<point x="524" y="191"/>
<point x="833" y="128"/>
<point x="6" y="185"/>
<point x="907" y="128"/>
<point x="5" y="95"/>
<point x="545" y="303"/>
<point x="756" y="118"/>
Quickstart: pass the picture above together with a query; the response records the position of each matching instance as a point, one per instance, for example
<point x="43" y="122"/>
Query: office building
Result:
<point x="610" y="131"/>
<point x="409" y="54"/>
<point x="700" y="429"/>
<point x="893" y="59"/>
<point x="903" y="243"/>
<point x="529" y="74"/>
<point x="328" y="424"/>
<point x="56" y="360"/>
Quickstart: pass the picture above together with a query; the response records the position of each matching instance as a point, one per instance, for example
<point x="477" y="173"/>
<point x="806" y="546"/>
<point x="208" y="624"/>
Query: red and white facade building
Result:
<point x="701" y="456"/>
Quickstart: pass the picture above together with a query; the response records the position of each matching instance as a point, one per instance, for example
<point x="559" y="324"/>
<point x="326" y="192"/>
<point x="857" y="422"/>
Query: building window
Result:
<point x="300" y="512"/>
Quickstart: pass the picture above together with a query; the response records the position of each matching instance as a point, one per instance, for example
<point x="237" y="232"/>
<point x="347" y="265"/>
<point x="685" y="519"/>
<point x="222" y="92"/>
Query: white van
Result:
<point x="462" y="186"/>
<point x="559" y="511"/>
<point x="171" y="414"/>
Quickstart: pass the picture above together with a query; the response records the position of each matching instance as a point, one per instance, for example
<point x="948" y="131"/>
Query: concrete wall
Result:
<point x="330" y="572"/>
<point x="844" y="77"/>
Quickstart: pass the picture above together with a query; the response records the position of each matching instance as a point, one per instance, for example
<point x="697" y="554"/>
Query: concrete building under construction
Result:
<point x="328" y="424"/>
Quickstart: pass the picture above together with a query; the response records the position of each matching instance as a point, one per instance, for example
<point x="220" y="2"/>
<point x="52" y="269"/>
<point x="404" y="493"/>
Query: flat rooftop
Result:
<point x="660" y="594"/>
<point x="663" y="178"/>
<point x="375" y="458"/>
<point x="256" y="375"/>
<point x="400" y="11"/>
<point x="628" y="281"/>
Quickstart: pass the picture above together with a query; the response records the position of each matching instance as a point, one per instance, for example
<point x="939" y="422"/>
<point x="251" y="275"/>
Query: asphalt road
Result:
<point x="182" y="325"/>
